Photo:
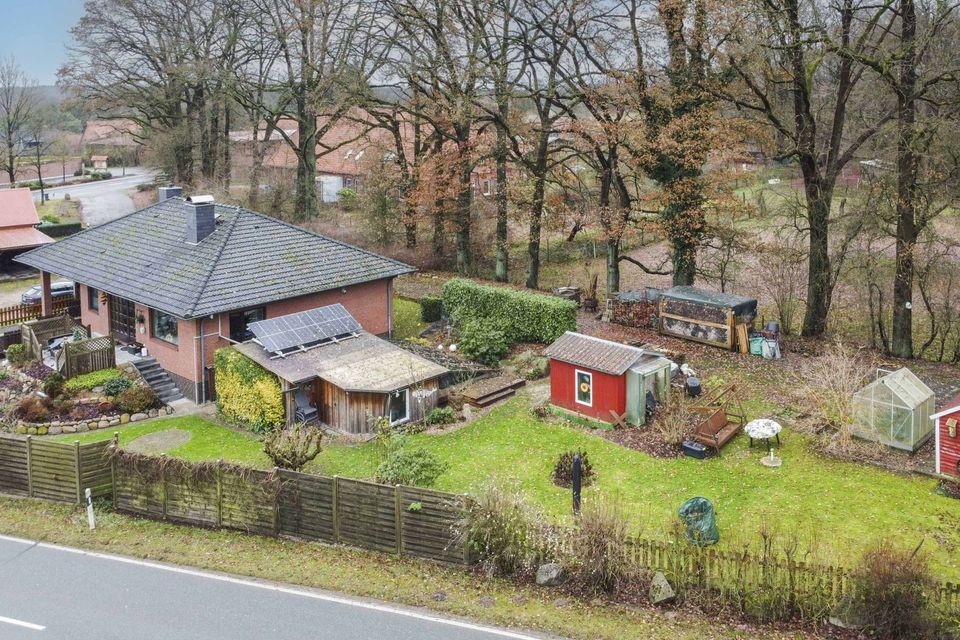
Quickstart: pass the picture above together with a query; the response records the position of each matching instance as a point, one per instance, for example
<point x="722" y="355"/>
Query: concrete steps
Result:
<point x="158" y="380"/>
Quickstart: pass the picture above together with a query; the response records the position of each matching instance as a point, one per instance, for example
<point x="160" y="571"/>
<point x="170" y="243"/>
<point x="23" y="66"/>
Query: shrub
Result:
<point x="62" y="406"/>
<point x="17" y="355"/>
<point x="530" y="366"/>
<point x="137" y="399"/>
<point x="117" y="385"/>
<point x="500" y="529"/>
<point x="52" y="218"/>
<point x="347" y="198"/>
<point x="293" y="448"/>
<point x="431" y="308"/>
<point x="890" y="593"/>
<point x="827" y="385"/>
<point x="562" y="474"/>
<point x="675" y="421"/>
<point x="246" y="392"/>
<point x="441" y="415"/>
<point x="483" y="341"/>
<point x="600" y="548"/>
<point x="53" y="384"/>
<point x="413" y="467"/>
<point x="92" y="379"/>
<point x="32" y="409"/>
<point x="526" y="316"/>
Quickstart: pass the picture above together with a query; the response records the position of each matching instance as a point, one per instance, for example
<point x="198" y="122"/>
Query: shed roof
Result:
<point x="365" y="363"/>
<point x="249" y="259"/>
<point x="598" y="354"/>
<point x="22" y="238"/>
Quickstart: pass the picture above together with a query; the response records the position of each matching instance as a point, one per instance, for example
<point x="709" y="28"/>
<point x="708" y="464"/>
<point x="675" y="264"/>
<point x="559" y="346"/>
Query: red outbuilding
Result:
<point x="947" y="438"/>
<point x="603" y="380"/>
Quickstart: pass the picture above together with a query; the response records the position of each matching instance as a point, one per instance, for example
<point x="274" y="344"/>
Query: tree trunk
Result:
<point x="533" y="239"/>
<point x="907" y="168"/>
<point x="256" y="166"/>
<point x="819" y="275"/>
<point x="306" y="188"/>
<point x="503" y="249"/>
<point x="464" y="205"/>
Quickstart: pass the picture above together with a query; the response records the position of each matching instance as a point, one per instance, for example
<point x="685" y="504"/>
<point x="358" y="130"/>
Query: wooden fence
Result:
<point x="92" y="354"/>
<point x="36" y="334"/>
<point x="403" y="520"/>
<point x="53" y="470"/>
<point x="26" y="312"/>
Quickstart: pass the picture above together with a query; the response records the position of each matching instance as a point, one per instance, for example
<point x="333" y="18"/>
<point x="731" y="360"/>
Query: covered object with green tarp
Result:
<point x="704" y="316"/>
<point x="895" y="410"/>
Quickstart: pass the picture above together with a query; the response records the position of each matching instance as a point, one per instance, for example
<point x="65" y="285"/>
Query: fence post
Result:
<point x="465" y="505"/>
<point x="163" y="486"/>
<point x="398" y="517"/>
<point x="219" y="493"/>
<point x="335" y="507"/>
<point x="276" y="504"/>
<point x="76" y="457"/>
<point x="29" y="466"/>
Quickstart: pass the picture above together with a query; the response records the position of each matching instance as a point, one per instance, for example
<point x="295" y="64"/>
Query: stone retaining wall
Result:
<point x="82" y="426"/>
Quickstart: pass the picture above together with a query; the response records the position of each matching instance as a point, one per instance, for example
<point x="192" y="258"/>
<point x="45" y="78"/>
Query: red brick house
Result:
<point x="18" y="225"/>
<point x="946" y="435"/>
<point x="185" y="277"/>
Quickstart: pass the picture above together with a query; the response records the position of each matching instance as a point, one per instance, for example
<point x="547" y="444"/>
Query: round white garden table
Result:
<point x="763" y="429"/>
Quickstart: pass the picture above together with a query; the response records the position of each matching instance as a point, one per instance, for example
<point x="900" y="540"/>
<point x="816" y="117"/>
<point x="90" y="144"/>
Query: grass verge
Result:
<point x="361" y="573"/>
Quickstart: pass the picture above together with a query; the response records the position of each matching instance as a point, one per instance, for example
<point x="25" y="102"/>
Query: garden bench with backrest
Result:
<point x="720" y="424"/>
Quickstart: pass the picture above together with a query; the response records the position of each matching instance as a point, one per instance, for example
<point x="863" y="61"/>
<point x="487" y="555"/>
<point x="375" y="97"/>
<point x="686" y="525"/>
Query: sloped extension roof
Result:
<point x="595" y="353"/>
<point x="365" y="363"/>
<point x="17" y="208"/>
<point x="249" y="259"/>
<point x="22" y="238"/>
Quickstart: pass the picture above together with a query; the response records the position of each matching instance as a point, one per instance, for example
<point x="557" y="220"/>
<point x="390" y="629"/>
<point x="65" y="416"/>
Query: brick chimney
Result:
<point x="200" y="218"/>
<point x="165" y="193"/>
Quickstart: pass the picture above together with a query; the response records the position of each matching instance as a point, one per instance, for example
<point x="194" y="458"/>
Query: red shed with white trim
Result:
<point x="604" y="380"/>
<point x="947" y="438"/>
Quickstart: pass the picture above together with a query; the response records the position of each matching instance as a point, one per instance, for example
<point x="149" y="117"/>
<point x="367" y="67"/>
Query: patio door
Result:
<point x="123" y="324"/>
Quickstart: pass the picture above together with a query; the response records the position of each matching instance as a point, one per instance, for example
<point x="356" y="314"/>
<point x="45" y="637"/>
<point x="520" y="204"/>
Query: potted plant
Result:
<point x="590" y="293"/>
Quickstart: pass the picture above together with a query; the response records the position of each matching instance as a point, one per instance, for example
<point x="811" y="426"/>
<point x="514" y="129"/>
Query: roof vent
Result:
<point x="170" y="191"/>
<point x="201" y="219"/>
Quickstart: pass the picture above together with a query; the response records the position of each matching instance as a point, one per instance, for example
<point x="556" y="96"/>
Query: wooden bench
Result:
<point x="720" y="425"/>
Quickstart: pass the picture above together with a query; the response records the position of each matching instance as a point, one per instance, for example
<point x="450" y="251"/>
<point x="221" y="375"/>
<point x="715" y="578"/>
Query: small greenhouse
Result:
<point x="895" y="410"/>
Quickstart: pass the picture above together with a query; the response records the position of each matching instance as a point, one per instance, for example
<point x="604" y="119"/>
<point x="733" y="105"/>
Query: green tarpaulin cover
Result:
<point x="701" y="521"/>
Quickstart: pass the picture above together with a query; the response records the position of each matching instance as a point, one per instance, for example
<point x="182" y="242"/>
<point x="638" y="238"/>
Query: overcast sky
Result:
<point x="35" y="33"/>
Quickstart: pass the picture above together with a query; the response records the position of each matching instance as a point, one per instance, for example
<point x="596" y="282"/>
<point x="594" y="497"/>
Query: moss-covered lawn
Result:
<point x="838" y="506"/>
<point x="406" y="318"/>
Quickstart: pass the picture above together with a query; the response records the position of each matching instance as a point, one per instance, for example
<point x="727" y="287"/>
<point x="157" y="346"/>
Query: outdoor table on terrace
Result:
<point x="763" y="429"/>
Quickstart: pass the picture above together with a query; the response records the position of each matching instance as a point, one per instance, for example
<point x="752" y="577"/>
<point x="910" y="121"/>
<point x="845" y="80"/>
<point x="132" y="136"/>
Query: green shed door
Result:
<point x="635" y="408"/>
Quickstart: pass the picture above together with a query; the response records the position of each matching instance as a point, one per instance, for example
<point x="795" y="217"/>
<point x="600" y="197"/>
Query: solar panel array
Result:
<point x="304" y="328"/>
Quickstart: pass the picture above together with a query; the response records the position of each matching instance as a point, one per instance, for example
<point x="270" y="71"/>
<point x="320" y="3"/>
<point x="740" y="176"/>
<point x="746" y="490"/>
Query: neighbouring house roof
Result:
<point x="22" y="238"/>
<point x="249" y="259"/>
<point x="98" y="158"/>
<point x="364" y="363"/>
<point x="17" y="208"/>
<point x="115" y="132"/>
<point x="595" y="353"/>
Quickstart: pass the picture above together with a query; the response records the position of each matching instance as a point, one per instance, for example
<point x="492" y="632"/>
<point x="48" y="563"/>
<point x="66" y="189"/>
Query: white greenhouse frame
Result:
<point x="895" y="410"/>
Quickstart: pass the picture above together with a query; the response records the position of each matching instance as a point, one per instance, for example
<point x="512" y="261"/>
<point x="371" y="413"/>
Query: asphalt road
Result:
<point x="52" y="592"/>
<point x="105" y="200"/>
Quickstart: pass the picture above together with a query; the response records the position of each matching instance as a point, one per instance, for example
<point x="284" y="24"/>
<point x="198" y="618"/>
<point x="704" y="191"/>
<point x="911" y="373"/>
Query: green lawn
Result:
<point x="838" y="507"/>
<point x="406" y="318"/>
<point x="209" y="441"/>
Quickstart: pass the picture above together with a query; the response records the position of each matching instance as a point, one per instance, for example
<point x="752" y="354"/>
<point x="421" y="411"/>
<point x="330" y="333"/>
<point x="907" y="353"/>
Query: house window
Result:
<point x="486" y="187"/>
<point x="584" y="388"/>
<point x="93" y="299"/>
<point x="398" y="406"/>
<point x="163" y="326"/>
<point x="349" y="182"/>
<point x="240" y="321"/>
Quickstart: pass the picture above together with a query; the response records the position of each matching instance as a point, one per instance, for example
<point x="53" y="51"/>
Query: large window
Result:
<point x="398" y="406"/>
<point x="584" y="388"/>
<point x="163" y="326"/>
<point x="240" y="322"/>
<point x="93" y="299"/>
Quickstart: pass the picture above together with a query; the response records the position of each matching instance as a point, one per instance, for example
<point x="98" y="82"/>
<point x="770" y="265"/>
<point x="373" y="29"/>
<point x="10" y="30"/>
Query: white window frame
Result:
<point x="486" y="187"/>
<point x="406" y="404"/>
<point x="576" y="387"/>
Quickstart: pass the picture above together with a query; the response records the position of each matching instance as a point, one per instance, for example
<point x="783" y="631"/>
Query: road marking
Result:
<point x="21" y="623"/>
<point x="269" y="586"/>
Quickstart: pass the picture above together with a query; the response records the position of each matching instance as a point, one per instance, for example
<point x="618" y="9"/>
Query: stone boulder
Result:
<point x="137" y="417"/>
<point x="550" y="575"/>
<point x="661" y="592"/>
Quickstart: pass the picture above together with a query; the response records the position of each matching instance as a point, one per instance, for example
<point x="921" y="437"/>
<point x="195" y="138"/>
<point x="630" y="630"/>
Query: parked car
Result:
<point x="60" y="290"/>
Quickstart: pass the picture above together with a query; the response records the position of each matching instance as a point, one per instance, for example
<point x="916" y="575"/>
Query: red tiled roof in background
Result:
<point x="22" y="238"/>
<point x="17" y="208"/>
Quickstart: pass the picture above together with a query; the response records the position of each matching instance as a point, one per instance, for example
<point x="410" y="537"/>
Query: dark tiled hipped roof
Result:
<point x="249" y="259"/>
<point x="594" y="353"/>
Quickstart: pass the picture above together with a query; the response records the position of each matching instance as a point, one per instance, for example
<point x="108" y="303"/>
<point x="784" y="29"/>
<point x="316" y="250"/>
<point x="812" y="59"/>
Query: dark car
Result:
<point x="62" y="290"/>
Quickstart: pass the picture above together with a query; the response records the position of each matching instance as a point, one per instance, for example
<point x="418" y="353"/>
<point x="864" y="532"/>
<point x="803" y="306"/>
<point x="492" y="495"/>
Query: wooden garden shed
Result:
<point x="606" y="380"/>
<point x="946" y="434"/>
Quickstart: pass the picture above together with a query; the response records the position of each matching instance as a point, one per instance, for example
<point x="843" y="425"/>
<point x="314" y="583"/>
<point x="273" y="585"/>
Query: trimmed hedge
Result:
<point x="525" y="316"/>
<point x="246" y="392"/>
<point x="60" y="229"/>
<point x="431" y="308"/>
